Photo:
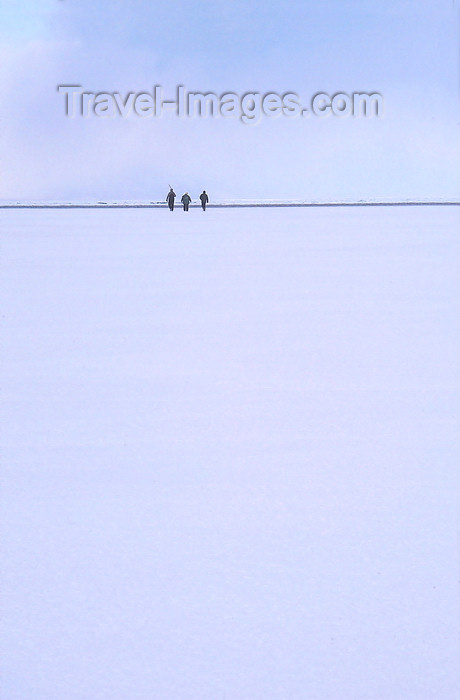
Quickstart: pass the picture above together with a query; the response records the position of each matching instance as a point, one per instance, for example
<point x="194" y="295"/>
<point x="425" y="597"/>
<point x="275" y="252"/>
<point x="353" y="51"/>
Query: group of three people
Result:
<point x="186" y="199"/>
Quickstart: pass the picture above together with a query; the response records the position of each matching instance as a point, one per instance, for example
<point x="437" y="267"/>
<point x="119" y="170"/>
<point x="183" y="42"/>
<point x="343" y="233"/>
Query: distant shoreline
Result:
<point x="219" y="205"/>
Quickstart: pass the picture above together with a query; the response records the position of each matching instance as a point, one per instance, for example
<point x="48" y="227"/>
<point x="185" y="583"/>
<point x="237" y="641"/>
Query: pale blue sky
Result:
<point x="406" y="50"/>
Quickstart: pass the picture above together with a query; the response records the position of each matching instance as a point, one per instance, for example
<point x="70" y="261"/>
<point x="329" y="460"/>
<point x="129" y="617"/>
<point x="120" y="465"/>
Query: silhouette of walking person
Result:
<point x="170" y="197"/>
<point x="186" y="199"/>
<point x="204" y="199"/>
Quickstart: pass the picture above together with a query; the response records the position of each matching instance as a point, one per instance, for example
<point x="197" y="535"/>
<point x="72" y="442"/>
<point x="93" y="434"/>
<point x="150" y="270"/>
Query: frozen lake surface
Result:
<point x="230" y="454"/>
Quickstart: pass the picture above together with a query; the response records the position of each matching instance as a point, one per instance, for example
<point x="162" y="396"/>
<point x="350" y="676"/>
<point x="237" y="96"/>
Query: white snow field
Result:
<point x="230" y="454"/>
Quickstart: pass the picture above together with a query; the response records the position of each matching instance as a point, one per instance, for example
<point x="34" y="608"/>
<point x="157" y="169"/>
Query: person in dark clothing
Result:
<point x="204" y="199"/>
<point x="170" y="197"/>
<point x="186" y="199"/>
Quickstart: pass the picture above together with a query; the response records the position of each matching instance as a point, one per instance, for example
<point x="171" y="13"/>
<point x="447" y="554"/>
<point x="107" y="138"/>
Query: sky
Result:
<point x="405" y="50"/>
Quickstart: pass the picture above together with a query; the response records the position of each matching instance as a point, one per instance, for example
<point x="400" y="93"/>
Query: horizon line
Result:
<point x="221" y="204"/>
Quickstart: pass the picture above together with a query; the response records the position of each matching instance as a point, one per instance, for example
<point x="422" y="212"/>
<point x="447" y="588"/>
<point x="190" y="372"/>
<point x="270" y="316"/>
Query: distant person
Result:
<point x="204" y="199"/>
<point x="170" y="197"/>
<point x="186" y="199"/>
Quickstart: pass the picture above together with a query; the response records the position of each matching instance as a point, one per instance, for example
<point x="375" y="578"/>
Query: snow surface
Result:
<point x="230" y="454"/>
